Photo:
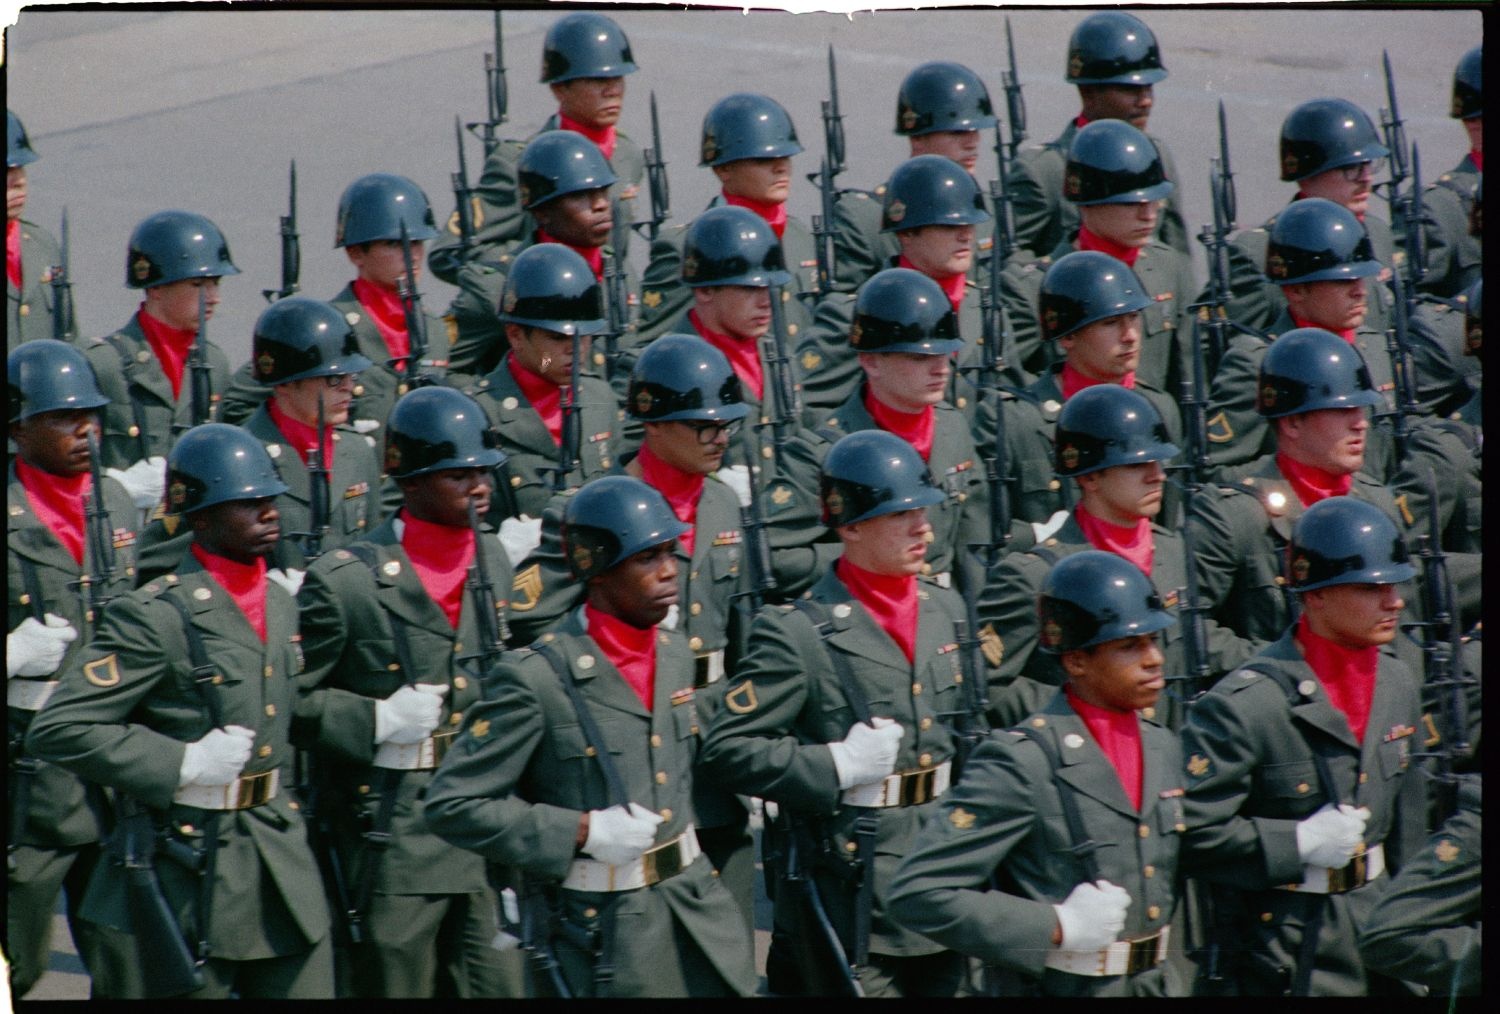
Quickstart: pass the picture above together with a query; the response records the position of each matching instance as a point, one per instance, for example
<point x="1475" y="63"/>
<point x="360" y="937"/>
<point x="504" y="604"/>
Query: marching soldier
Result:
<point x="203" y="755"/>
<point x="371" y="213"/>
<point x="1454" y="251"/>
<point x="31" y="256"/>
<point x="906" y="338"/>
<point x="841" y="712"/>
<point x="585" y="58"/>
<point x="564" y="185"/>
<point x="748" y="141"/>
<point x="144" y="368"/>
<point x="1114" y="61"/>
<point x="1117" y="179"/>
<point x="940" y="109"/>
<point x="55" y="566"/>
<point x="551" y="304"/>
<point x="386" y="623"/>
<point x="1321" y="259"/>
<point x="1298" y="788"/>
<point x="1331" y="150"/>
<point x="579" y="771"/>
<point x="307" y="354"/>
<point x="1079" y="809"/>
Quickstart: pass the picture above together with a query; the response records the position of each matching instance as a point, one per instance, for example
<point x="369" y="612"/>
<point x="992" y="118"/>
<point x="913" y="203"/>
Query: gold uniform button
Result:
<point x="457" y="718"/>
<point x="661" y="778"/>
<point x="1303" y="787"/>
<point x="265" y="751"/>
<point x="459" y="683"/>
<point x="458" y="646"/>
<point x="25" y="310"/>
<point x="133" y="431"/>
<point x="510" y="404"/>
<point x="925" y="724"/>
<point x="916" y="690"/>
<point x="1144" y="831"/>
<point x="696" y="608"/>
<point x="1265" y="917"/>
<point x="591" y="913"/>
<point x="515" y="481"/>
<point x="393" y="667"/>
<point x="218" y="679"/>
<point x="963" y="402"/>
<point x="270" y="711"/>
<point x="1280" y="580"/>
<point x="1364" y="776"/>
<point x="1054" y="485"/>
<point x="666" y="813"/>
<point x="849" y="846"/>
<point x="1148" y="712"/>
<point x="695" y="643"/>
<point x="926" y="568"/>
<point x="1039" y="723"/>
<point x="925" y="760"/>
<point x="359" y="389"/>
<point x="1179" y="827"/>
<point x="364" y="790"/>
<point x="187" y="829"/>
<point x="202" y="594"/>
<point x="293" y="804"/>
<point x="1149" y="871"/>
<point x="655" y="739"/>
<point x="1154" y="912"/>
<point x="266" y="672"/>
<point x="766" y="452"/>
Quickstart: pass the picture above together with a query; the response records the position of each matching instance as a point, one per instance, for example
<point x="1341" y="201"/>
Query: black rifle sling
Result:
<point x="1083" y="847"/>
<point x="614" y="785"/>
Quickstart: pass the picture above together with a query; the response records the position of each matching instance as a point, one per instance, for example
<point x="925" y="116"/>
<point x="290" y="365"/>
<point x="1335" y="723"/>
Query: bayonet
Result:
<point x="291" y="245"/>
<point x="62" y="287"/>
<point x="1015" y="102"/>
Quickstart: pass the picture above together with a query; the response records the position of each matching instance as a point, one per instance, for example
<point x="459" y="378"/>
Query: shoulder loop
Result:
<point x="614" y="784"/>
<point x="817" y="615"/>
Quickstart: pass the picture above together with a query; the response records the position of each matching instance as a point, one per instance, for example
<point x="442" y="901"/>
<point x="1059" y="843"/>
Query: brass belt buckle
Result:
<point x="252" y="790"/>
<point x="1141" y="955"/>
<point x="917" y="786"/>
<point x="441" y="741"/>
<point x="1347" y="878"/>
<point x="700" y="671"/>
<point x="663" y="862"/>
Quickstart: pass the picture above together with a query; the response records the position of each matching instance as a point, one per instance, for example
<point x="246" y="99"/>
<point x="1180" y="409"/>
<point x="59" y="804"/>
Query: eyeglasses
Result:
<point x="340" y="379"/>
<point x="1356" y="172"/>
<point x="708" y="432"/>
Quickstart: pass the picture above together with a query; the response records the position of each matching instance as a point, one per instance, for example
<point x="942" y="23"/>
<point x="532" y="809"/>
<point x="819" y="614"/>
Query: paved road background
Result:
<point x="133" y="112"/>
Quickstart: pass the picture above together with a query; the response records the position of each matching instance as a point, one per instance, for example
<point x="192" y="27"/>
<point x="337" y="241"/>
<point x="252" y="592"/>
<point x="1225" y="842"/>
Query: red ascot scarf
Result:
<point x="440" y="555"/>
<point x="57" y="500"/>
<point x="1080" y="121"/>
<point x="389" y="315"/>
<point x="774" y="214"/>
<point x="302" y="437"/>
<point x="1118" y="734"/>
<point x="603" y="137"/>
<point x="170" y="345"/>
<point x="1091" y="241"/>
<point x="629" y="649"/>
<point x="744" y="356"/>
<point x="13" y="251"/>
<point x="244" y="582"/>
<point x="952" y="285"/>
<point x="891" y="601"/>
<point x="593" y="254"/>
<point x="1348" y="674"/>
<point x="1134" y="542"/>
<point x="1071" y="381"/>
<point x="1477" y="157"/>
<point x="682" y="490"/>
<point x="545" y="396"/>
<point x="916" y="428"/>
<point x="1347" y="334"/>
<point x="1312" y="484"/>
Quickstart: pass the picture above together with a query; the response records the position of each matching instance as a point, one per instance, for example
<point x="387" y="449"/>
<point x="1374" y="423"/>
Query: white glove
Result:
<point x="217" y="758"/>
<point x="1092" y="916"/>
<point x="669" y="622"/>
<point x="410" y="714"/>
<point x="519" y="536"/>
<point x="144" y="481"/>
<point x="364" y="426"/>
<point x="290" y="579"/>
<point x="510" y="915"/>
<point x="867" y="754"/>
<point x="37" y="649"/>
<point x="737" y="478"/>
<point x="1330" y="836"/>
<point x="618" y="836"/>
<point x="1044" y="530"/>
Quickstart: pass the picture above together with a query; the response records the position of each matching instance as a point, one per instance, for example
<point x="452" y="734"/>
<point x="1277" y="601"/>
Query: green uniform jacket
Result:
<point x="1445" y="376"/>
<point x="1167" y="275"/>
<point x="531" y="453"/>
<point x="1454" y="258"/>
<point x="515" y="784"/>
<point x="787" y="703"/>
<point x="860" y="249"/>
<point x="56" y="815"/>
<point x="123" y="717"/>
<point x="962" y="519"/>
<point x="30" y="309"/>
<point x="499" y="221"/>
<point x="348" y="612"/>
<point x="1251" y="777"/>
<point x="376" y="389"/>
<point x="142" y="418"/>
<point x="1043" y="218"/>
<point x="1448" y="449"/>
<point x="1237" y="433"/>
<point x="1006" y="816"/>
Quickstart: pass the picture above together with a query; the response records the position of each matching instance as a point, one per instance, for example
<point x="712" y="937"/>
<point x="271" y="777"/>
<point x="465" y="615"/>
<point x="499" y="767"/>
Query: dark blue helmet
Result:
<point x="1317" y="240"/>
<point x="729" y="245"/>
<point x="1111" y="162"/>
<point x="374" y="207"/>
<point x="871" y="473"/>
<point x="1113" y="48"/>
<point x="433" y="428"/>
<point x="1092" y="597"/>
<point x="901" y="310"/>
<point x="297" y="338"/>
<point x="174" y="245"/>
<point x="18" y="149"/>
<point x="745" y="125"/>
<point x="681" y="376"/>
<point x="931" y="190"/>
<point x="942" y="96"/>
<point x="1106" y="426"/>
<point x="50" y="376"/>
<point x="213" y="464"/>
<point x="1468" y="85"/>
<point x="1308" y="369"/>
<point x="551" y="286"/>
<point x="1087" y="286"/>
<point x="1327" y="134"/>
<point x="558" y="163"/>
<point x="585" y="45"/>
<point x="1342" y="540"/>
<point x="611" y="519"/>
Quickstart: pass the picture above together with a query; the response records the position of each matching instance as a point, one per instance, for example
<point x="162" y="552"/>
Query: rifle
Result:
<point x="1393" y="127"/>
<point x="773" y="353"/>
<point x="1215" y="239"/>
<point x="200" y="376"/>
<point x="62" y="287"/>
<point x="416" y="328"/>
<point x="167" y="968"/>
<point x="568" y="448"/>
<point x="319" y="505"/>
<point x="463" y="195"/>
<point x="656" y="180"/>
<point x="828" y="171"/>
<point x="1398" y="347"/>
<point x="1015" y="102"/>
<point x="497" y="96"/>
<point x="995" y="331"/>
<point x="493" y="630"/>
<point x="95" y="585"/>
<point x="291" y="245"/>
<point x="1000" y="200"/>
<point x="616" y="305"/>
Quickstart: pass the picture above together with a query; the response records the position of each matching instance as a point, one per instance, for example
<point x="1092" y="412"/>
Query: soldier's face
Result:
<point x="1131" y="103"/>
<point x="1332" y="185"/>
<point x="548" y="354"/>
<point x="677" y="444"/>
<point x="15" y="191"/>
<point x="1355" y="615"/>
<point x="1107" y="349"/>
<point x="176" y="303"/>
<point x="299" y="399"/>
<point x="581" y="218"/>
<point x="442" y="497"/>
<point x="592" y="101"/>
<point x="1123" y="675"/>
<point x="639" y="589"/>
<point x="892" y="544"/>
<point x="1474" y="127"/>
<point x="56" y="442"/>
<point x="906" y="381"/>
<point x="1130" y="225"/>
<point x="1126" y="493"/>
<point x="938" y="251"/>
<point x="1332" y="439"/>
<point x="1338" y="305"/>
<point x="767" y="180"/>
<point x="380" y="262"/>
<point x="962" y="146"/>
<point x="740" y="311"/>
<point x="241" y="530"/>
